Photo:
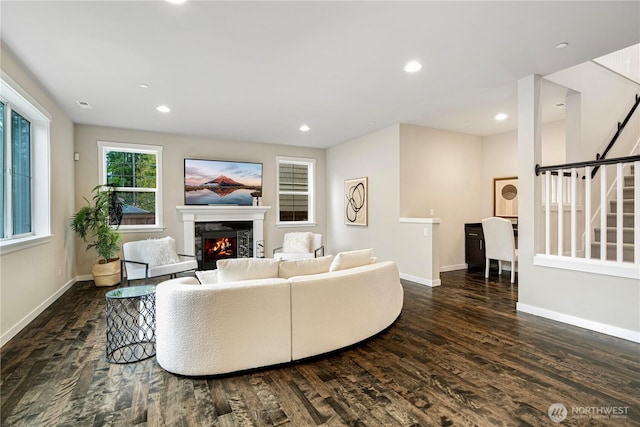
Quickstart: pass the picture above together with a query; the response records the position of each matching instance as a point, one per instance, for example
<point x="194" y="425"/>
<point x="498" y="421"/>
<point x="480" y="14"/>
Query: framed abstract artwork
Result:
<point x="356" y="200"/>
<point x="505" y="197"/>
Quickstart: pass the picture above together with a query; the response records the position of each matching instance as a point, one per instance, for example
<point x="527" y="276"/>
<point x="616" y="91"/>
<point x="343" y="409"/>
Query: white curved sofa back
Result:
<point x="216" y="329"/>
<point x="334" y="310"/>
<point x="222" y="328"/>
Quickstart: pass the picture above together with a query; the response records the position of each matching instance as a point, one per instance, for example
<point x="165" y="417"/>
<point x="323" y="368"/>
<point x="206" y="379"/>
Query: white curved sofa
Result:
<point x="221" y="328"/>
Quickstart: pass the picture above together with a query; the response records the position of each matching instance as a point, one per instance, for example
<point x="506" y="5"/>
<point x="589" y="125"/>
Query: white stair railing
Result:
<point x="571" y="238"/>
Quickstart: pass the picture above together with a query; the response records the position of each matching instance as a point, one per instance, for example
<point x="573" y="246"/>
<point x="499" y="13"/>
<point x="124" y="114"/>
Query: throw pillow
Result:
<point x="297" y="243"/>
<point x="159" y="251"/>
<point x="351" y="259"/>
<point x="207" y="277"/>
<point x="235" y="269"/>
<point x="302" y="267"/>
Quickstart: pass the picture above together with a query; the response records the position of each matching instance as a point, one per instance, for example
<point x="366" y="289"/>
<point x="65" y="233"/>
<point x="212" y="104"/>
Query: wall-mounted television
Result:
<point x="220" y="182"/>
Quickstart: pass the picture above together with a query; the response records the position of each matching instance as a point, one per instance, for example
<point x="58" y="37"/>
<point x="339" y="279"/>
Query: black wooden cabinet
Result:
<point x="474" y="254"/>
<point x="474" y="246"/>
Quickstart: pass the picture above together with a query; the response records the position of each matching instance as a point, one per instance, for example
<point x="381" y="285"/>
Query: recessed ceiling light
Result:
<point x="304" y="128"/>
<point x="84" y="104"/>
<point x="501" y="116"/>
<point x="413" y="67"/>
<point x="163" y="108"/>
<point x="560" y="105"/>
<point x="176" y="1"/>
<point x="144" y="86"/>
<point x="562" y="45"/>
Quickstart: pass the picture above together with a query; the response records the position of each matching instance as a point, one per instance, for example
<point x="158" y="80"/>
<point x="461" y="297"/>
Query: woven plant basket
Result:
<point x="106" y="274"/>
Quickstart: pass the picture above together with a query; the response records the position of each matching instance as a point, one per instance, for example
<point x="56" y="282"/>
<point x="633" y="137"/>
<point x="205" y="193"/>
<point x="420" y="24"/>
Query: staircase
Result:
<point x="627" y="224"/>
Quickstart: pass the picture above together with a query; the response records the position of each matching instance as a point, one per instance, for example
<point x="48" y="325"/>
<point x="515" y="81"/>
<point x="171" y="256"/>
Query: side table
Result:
<point x="131" y="323"/>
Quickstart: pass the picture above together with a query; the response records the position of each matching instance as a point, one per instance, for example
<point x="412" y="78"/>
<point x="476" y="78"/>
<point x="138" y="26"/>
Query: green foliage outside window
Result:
<point x="135" y="171"/>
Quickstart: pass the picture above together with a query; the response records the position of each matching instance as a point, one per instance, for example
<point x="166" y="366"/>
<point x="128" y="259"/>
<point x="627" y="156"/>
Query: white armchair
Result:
<point x="499" y="244"/>
<point x="299" y="245"/>
<point x="154" y="257"/>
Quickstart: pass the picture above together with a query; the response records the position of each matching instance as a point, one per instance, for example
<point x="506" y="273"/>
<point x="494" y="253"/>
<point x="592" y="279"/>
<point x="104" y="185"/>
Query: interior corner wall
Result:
<point x="175" y="149"/>
<point x="32" y="278"/>
<point x="375" y="156"/>
<point x="606" y="99"/>
<point x="500" y="157"/>
<point x="440" y="171"/>
<point x="594" y="301"/>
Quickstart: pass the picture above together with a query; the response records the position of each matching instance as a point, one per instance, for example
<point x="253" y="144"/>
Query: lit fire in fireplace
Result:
<point x="219" y="248"/>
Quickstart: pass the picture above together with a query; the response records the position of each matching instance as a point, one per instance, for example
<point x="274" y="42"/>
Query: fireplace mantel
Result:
<point x="189" y="215"/>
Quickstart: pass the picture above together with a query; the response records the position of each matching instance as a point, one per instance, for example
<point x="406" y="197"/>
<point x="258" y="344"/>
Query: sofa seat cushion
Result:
<point x="236" y="269"/>
<point x="303" y="267"/>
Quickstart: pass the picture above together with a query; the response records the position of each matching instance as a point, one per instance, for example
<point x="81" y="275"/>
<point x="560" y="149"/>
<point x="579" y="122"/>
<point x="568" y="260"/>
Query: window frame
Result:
<point x="103" y="148"/>
<point x="17" y="99"/>
<point x="311" y="191"/>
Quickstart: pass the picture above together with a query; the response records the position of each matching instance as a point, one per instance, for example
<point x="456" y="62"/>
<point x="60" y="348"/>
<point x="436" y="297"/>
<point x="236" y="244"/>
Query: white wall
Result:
<point x="500" y="157"/>
<point x="440" y="170"/>
<point x="175" y="149"/>
<point x="603" y="303"/>
<point x="375" y="156"/>
<point x="31" y="279"/>
<point x="605" y="100"/>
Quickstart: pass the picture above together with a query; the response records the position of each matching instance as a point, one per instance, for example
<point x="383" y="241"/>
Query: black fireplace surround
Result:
<point x="222" y="240"/>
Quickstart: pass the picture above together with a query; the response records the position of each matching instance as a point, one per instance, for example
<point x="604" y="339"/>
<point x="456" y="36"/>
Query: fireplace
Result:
<point x="217" y="245"/>
<point x="245" y="219"/>
<point x="220" y="240"/>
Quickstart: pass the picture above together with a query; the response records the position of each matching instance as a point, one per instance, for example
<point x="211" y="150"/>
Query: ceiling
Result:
<point x="256" y="71"/>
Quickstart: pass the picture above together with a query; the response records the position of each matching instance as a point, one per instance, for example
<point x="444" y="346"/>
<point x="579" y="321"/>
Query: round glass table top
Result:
<point x="132" y="291"/>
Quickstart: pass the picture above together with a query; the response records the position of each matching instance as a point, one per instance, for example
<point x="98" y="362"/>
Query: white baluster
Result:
<point x="619" y="212"/>
<point x="573" y="211"/>
<point x="603" y="212"/>
<point x="587" y="212"/>
<point x="636" y="214"/>
<point x="547" y="212"/>
<point x="560" y="187"/>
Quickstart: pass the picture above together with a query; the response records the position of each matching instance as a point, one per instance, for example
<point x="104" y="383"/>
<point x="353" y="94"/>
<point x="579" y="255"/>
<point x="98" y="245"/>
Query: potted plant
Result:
<point x="96" y="224"/>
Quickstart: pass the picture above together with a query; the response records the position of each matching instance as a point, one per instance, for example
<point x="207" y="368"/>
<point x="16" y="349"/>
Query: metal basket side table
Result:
<point x="131" y="324"/>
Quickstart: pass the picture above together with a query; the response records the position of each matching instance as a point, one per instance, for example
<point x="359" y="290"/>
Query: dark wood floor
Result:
<point x="458" y="355"/>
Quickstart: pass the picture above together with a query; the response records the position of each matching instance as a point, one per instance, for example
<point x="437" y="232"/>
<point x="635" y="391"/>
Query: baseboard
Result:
<point x="420" y="280"/>
<point x="84" y="277"/>
<point x="453" y="267"/>
<point x="15" y="329"/>
<point x="625" y="334"/>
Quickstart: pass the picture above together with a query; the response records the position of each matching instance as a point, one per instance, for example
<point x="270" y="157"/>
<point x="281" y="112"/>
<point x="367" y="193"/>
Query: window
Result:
<point x="135" y="170"/>
<point x="24" y="161"/>
<point x="296" y="191"/>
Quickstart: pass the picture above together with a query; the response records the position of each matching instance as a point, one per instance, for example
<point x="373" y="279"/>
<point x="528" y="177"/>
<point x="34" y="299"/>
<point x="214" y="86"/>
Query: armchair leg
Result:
<point x="486" y="268"/>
